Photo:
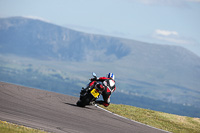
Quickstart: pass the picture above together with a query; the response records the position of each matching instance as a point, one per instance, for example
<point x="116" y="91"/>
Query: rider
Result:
<point x="107" y="87"/>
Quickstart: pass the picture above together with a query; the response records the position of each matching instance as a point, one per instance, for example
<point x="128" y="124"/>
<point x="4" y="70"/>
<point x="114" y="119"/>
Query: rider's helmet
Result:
<point x="111" y="75"/>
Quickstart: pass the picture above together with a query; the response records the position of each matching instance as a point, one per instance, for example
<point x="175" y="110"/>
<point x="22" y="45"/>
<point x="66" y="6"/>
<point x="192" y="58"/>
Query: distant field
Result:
<point x="165" y="121"/>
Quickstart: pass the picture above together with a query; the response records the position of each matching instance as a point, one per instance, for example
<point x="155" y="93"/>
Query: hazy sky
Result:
<point x="175" y="22"/>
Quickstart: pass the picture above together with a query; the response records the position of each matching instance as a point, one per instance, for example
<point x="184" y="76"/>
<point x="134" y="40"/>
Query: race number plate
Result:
<point x="95" y="93"/>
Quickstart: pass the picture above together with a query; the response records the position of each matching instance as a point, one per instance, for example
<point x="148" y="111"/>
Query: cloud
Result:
<point x="171" y="37"/>
<point x="165" y="32"/>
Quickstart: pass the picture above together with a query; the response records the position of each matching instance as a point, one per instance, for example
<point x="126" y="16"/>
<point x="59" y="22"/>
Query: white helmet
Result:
<point x="111" y="75"/>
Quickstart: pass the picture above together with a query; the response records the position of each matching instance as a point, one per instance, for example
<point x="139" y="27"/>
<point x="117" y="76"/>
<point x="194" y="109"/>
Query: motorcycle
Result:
<point x="89" y="95"/>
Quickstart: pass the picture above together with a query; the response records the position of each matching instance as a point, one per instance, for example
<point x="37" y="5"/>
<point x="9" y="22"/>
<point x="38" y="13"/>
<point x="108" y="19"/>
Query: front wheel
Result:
<point x="80" y="103"/>
<point x="84" y="101"/>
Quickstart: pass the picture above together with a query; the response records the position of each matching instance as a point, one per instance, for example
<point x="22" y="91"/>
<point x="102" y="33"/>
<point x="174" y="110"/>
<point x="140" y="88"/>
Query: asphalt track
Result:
<point x="58" y="113"/>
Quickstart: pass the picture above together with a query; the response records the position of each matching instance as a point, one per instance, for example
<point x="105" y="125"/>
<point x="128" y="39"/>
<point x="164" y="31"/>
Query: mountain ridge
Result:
<point x="59" y="41"/>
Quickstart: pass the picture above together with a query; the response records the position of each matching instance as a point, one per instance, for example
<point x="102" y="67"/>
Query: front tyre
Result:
<point x="80" y="103"/>
<point x="84" y="101"/>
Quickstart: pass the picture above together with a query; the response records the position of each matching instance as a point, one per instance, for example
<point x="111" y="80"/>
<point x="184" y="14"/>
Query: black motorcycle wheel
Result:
<point x="84" y="101"/>
<point x="80" y="103"/>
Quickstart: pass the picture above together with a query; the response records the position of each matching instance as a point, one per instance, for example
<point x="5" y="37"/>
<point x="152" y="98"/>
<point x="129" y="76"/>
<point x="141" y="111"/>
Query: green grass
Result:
<point x="165" y="121"/>
<point x="6" y="127"/>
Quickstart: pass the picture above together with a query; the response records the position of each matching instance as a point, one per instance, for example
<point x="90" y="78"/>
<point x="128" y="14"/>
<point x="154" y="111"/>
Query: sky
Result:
<point x="172" y="22"/>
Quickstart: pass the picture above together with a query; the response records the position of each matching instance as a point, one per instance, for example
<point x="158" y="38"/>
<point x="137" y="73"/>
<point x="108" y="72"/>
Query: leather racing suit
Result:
<point x="108" y="87"/>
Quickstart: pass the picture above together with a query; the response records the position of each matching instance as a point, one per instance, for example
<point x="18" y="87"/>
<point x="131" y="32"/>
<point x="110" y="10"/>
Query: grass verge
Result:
<point x="6" y="127"/>
<point x="165" y="121"/>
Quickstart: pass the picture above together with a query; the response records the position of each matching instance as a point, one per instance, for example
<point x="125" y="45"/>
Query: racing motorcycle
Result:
<point x="89" y="94"/>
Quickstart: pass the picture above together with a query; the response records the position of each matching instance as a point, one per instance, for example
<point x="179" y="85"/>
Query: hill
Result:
<point x="36" y="53"/>
<point x="41" y="40"/>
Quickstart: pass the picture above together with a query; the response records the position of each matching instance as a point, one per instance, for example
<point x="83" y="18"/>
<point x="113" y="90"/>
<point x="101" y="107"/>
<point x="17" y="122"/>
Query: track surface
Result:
<point x="58" y="113"/>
